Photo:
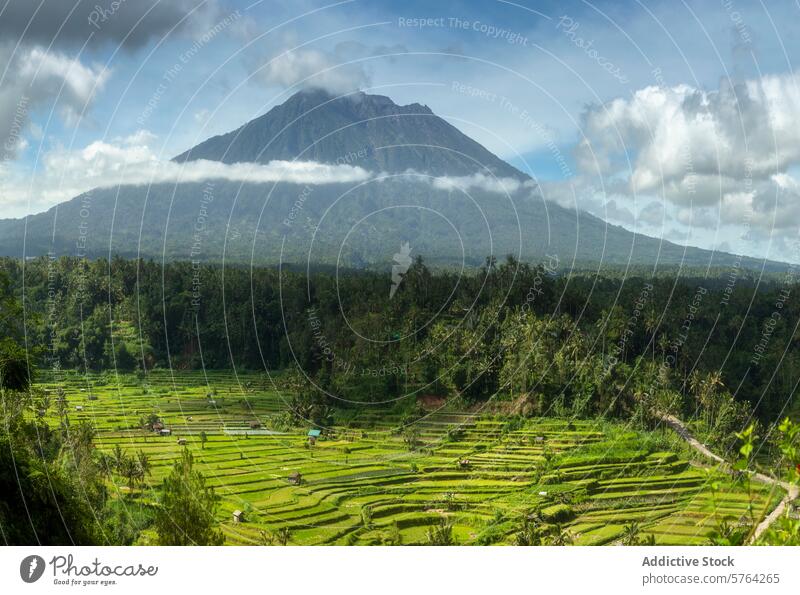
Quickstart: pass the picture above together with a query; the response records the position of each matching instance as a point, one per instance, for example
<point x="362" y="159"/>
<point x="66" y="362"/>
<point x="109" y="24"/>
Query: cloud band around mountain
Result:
<point x="131" y="161"/>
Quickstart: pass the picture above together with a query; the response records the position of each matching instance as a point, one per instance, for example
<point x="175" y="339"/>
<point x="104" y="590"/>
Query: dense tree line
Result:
<point x="586" y="343"/>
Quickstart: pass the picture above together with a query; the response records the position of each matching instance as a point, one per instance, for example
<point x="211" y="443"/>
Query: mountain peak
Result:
<point x="357" y="100"/>
<point x="315" y="125"/>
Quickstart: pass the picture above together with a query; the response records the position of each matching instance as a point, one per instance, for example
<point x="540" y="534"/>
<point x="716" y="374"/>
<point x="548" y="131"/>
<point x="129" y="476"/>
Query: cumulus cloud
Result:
<point x="130" y="23"/>
<point x="311" y="68"/>
<point x="772" y="205"/>
<point x="702" y="217"/>
<point x="33" y="78"/>
<point x="678" y="135"/>
<point x="719" y="156"/>
<point x="653" y="213"/>
<point x="617" y="213"/>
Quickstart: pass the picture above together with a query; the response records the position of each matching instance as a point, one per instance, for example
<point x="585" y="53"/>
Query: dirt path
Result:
<point x="684" y="433"/>
<point x="791" y="490"/>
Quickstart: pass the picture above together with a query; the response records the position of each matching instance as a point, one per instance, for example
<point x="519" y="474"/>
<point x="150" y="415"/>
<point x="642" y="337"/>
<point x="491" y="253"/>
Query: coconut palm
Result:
<point x="143" y="461"/>
<point x="117" y="458"/>
<point x="630" y="535"/>
<point x="129" y="469"/>
<point x="560" y="536"/>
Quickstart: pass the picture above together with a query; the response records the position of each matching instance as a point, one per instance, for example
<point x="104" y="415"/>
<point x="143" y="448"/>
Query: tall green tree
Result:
<point x="186" y="512"/>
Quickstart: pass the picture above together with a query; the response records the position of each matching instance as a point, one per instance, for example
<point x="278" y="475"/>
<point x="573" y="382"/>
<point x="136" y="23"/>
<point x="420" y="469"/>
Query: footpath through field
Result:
<point x="791" y="490"/>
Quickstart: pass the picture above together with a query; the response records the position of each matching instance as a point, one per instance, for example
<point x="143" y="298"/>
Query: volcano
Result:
<point x="426" y="187"/>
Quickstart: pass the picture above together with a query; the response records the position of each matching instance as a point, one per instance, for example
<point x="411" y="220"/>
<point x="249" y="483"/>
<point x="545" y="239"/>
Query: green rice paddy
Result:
<point x="362" y="484"/>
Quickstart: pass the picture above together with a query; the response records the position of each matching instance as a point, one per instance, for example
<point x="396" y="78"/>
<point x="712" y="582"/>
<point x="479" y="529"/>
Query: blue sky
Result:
<point x="596" y="100"/>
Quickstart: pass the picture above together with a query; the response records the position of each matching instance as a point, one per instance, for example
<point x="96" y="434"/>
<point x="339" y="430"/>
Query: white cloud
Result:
<point x="313" y="68"/>
<point x="617" y="213"/>
<point x="34" y="78"/>
<point x="700" y="217"/>
<point x="684" y="139"/>
<point x="131" y="161"/>
<point x="483" y="182"/>
<point x="79" y="81"/>
<point x="653" y="214"/>
<point x="717" y="161"/>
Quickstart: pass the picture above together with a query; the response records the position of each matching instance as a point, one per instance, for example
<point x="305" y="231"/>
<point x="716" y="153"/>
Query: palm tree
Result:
<point x="129" y="470"/>
<point x="143" y="461"/>
<point x="663" y="344"/>
<point x="651" y="325"/>
<point x="105" y="464"/>
<point x="441" y="533"/>
<point x="283" y="535"/>
<point x="411" y="438"/>
<point x="630" y="536"/>
<point x="117" y="458"/>
<point x="529" y="533"/>
<point x="561" y="536"/>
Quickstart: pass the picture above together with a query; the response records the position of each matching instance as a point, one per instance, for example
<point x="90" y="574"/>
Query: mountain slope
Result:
<point x="334" y="223"/>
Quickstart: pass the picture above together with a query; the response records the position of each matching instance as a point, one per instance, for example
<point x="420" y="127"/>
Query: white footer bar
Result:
<point x="418" y="570"/>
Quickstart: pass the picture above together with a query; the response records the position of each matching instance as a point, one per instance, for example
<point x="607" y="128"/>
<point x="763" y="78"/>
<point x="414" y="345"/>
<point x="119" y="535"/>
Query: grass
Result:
<point x="592" y="477"/>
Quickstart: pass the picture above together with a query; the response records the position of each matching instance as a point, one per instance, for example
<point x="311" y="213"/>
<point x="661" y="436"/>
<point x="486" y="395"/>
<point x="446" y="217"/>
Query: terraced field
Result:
<point x="363" y="484"/>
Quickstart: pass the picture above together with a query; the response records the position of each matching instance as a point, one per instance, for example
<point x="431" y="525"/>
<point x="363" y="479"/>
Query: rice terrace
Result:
<point x="487" y="476"/>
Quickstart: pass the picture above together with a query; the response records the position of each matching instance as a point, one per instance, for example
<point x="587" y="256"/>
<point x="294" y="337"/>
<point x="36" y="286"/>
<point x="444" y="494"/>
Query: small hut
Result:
<point x="181" y="441"/>
<point x="165" y="432"/>
<point x="238" y="516"/>
<point x="158" y="426"/>
<point x="463" y="463"/>
<point x="255" y="424"/>
<point x="295" y="478"/>
<point x="92" y="397"/>
<point x="79" y="408"/>
<point x="313" y="435"/>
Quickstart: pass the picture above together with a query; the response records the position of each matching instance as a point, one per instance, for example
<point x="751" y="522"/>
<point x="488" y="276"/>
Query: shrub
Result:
<point x="441" y="533"/>
<point x="366" y="516"/>
<point x="558" y="513"/>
